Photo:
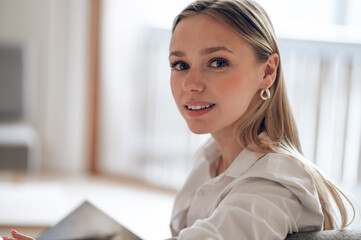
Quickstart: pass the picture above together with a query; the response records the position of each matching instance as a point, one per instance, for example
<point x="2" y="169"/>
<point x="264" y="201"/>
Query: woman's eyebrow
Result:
<point x="177" y="54"/>
<point x="205" y="51"/>
<point x="210" y="50"/>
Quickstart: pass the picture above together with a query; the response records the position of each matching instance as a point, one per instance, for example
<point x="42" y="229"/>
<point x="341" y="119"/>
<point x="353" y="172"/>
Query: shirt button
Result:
<point x="200" y="192"/>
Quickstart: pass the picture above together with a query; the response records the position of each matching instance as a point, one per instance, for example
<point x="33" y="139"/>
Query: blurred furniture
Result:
<point x="329" y="234"/>
<point x="19" y="142"/>
<point x="19" y="148"/>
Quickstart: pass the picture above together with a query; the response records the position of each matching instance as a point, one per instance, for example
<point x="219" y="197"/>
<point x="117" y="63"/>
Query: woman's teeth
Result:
<point x="199" y="107"/>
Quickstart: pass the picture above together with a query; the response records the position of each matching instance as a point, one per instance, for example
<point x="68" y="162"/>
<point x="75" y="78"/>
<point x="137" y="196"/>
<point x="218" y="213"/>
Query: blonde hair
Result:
<point x="273" y="116"/>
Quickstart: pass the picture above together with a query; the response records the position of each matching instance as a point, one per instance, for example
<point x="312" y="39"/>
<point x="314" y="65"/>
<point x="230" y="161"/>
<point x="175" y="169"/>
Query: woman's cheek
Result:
<point x="229" y="84"/>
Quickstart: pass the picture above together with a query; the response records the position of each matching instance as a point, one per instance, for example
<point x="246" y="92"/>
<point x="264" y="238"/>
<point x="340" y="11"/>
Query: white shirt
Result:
<point x="258" y="197"/>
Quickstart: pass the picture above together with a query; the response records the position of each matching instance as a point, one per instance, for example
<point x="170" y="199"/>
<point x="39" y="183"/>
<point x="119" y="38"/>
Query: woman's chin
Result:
<point x="198" y="130"/>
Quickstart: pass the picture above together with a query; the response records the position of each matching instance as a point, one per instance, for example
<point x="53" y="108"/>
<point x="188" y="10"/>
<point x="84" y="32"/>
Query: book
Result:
<point x="90" y="223"/>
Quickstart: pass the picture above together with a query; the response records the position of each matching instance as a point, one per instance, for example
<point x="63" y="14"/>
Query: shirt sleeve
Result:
<point x="255" y="209"/>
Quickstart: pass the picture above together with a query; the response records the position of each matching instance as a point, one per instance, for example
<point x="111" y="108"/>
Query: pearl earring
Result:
<point x="268" y="94"/>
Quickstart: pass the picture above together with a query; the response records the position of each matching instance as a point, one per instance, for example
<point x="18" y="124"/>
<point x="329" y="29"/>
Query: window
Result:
<point x="142" y="134"/>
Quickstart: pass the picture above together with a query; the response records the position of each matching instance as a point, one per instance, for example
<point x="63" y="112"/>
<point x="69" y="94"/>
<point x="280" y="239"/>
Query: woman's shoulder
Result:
<point x="280" y="164"/>
<point x="287" y="170"/>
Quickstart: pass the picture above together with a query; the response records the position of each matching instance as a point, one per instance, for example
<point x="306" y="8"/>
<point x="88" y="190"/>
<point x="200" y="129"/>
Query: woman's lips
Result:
<point x="197" y="110"/>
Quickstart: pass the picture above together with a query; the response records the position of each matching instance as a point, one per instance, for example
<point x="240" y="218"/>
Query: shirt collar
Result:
<point x="211" y="151"/>
<point x="245" y="159"/>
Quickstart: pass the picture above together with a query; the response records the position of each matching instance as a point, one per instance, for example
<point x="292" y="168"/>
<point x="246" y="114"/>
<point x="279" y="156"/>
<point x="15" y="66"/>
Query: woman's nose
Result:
<point x="193" y="82"/>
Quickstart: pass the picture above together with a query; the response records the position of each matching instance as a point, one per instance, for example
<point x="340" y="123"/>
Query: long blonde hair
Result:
<point x="273" y="116"/>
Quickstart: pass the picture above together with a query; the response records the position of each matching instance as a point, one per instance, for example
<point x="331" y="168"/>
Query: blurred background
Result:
<point x="86" y="110"/>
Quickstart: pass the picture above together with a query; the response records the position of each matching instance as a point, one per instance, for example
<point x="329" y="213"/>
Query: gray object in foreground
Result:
<point x="328" y="234"/>
<point x="87" y="222"/>
<point x="322" y="235"/>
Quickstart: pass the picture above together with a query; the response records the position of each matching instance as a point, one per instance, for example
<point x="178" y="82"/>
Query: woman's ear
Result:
<point x="270" y="71"/>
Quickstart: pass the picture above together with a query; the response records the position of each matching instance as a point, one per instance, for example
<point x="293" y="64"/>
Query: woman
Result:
<point x="250" y="181"/>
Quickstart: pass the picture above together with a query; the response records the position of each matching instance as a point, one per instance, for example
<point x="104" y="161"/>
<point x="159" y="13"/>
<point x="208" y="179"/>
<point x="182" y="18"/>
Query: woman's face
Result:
<point x="214" y="73"/>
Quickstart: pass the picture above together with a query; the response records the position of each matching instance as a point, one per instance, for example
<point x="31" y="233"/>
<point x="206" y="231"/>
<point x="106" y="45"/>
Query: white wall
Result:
<point x="56" y="33"/>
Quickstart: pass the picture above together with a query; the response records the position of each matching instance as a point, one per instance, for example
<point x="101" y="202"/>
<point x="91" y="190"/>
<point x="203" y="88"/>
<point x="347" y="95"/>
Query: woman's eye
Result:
<point x="217" y="63"/>
<point x="180" y="66"/>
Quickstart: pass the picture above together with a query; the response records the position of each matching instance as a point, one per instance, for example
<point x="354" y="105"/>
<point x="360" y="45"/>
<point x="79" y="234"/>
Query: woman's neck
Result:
<point x="228" y="146"/>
